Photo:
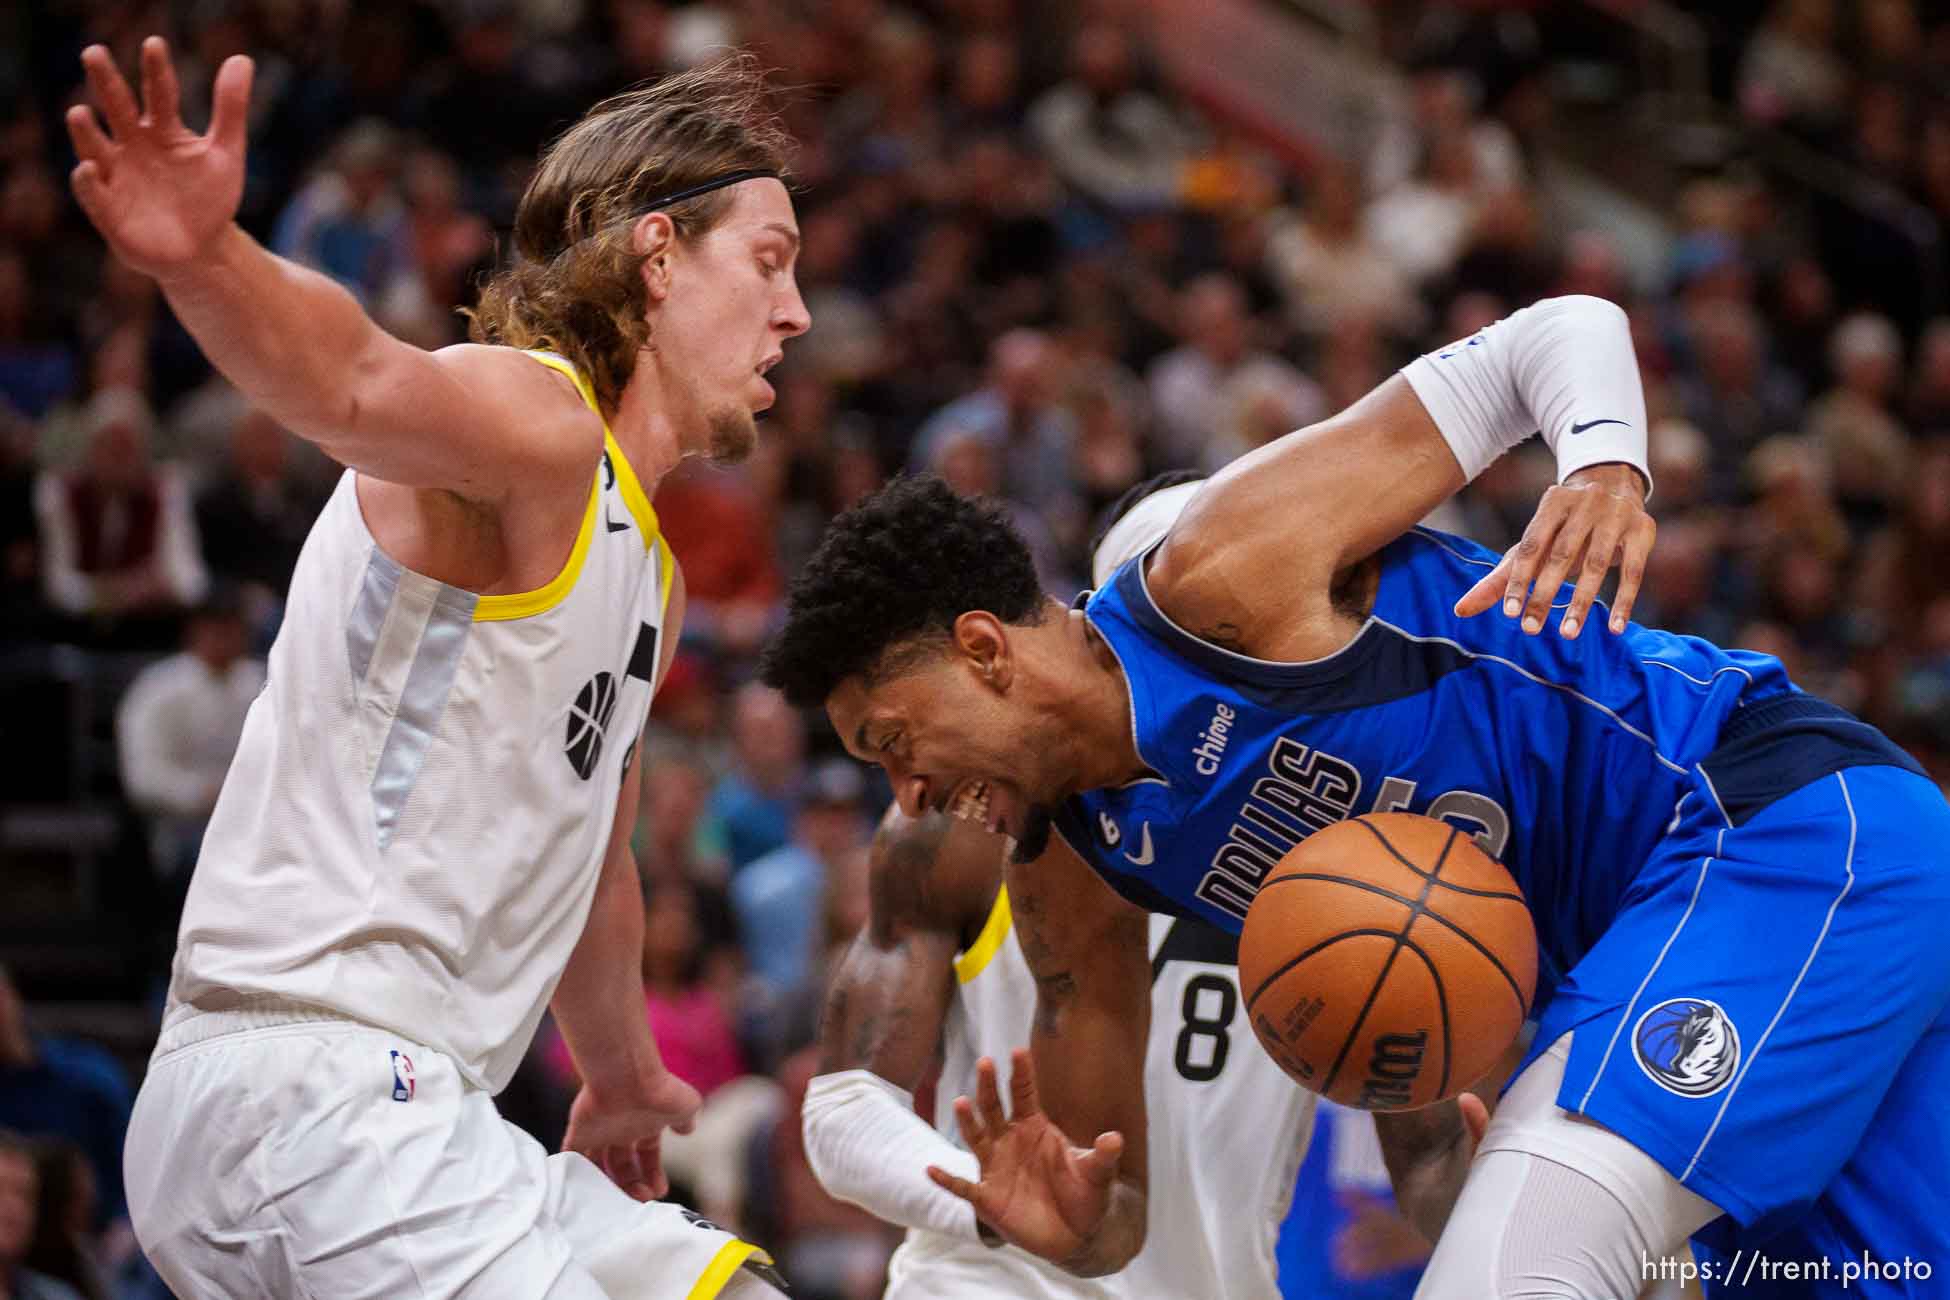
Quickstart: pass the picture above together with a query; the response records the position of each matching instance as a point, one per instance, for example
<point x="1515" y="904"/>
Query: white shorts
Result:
<point x="285" y="1153"/>
<point x="932" y="1266"/>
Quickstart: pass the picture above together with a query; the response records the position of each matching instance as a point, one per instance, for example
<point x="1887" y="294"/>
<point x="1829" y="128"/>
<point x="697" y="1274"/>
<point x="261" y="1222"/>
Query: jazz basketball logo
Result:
<point x="587" y="718"/>
<point x="1687" y="1046"/>
<point x="404" y="1085"/>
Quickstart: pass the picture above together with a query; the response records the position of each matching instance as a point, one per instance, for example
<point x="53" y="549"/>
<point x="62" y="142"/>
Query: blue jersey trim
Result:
<point x="1776" y="746"/>
<point x="1377" y="666"/>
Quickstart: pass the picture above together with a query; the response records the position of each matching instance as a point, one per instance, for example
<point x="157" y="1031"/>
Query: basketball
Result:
<point x="1387" y="962"/>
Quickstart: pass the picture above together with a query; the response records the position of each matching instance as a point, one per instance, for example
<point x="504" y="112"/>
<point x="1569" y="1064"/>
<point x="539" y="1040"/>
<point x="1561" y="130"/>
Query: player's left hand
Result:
<point x="623" y="1136"/>
<point x="1594" y="519"/>
<point x="1037" y="1190"/>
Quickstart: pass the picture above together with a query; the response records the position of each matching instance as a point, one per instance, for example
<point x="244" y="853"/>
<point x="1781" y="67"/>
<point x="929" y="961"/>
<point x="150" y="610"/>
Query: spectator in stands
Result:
<point x="349" y="222"/>
<point x="19" y="1198"/>
<point x="1855" y="421"/>
<point x="65" y="1245"/>
<point x="1112" y="141"/>
<point x="674" y="839"/>
<point x="65" y="1088"/>
<point x="37" y="368"/>
<point x="1906" y="567"/>
<point x="1791" y="74"/>
<point x="1018" y="412"/>
<point x="779" y="898"/>
<point x="1423" y="224"/>
<point x="713" y="521"/>
<point x="449" y="242"/>
<point x="254" y="517"/>
<point x="1442" y="103"/>
<point x="1327" y="269"/>
<point x="1197" y="389"/>
<point x="118" y="539"/>
<point x="177" y="730"/>
<point x="1928" y="409"/>
<point x="689" y="982"/>
<point x="752" y="805"/>
<point x="1731" y="393"/>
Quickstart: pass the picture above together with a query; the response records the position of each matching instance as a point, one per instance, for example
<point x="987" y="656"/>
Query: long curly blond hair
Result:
<point x="573" y="285"/>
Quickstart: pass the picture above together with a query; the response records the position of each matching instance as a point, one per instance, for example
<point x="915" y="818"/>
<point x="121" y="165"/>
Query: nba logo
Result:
<point x="403" y="1084"/>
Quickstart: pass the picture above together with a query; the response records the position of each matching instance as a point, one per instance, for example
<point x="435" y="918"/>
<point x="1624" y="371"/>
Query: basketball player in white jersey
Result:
<point x="424" y="839"/>
<point x="938" y="972"/>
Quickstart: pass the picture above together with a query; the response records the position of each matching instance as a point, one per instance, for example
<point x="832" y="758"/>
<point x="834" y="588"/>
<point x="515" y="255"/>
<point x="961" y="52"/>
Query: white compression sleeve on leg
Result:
<point x="1557" y="1207"/>
<point x="866" y="1145"/>
<point x="1563" y="367"/>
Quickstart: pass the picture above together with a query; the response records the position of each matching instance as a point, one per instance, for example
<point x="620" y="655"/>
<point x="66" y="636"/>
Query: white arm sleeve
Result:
<point x="1563" y="367"/>
<point x="866" y="1145"/>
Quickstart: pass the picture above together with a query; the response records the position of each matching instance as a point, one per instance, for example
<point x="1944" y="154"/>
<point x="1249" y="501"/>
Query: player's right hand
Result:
<point x="1037" y="1190"/>
<point x="623" y="1136"/>
<point x="159" y="193"/>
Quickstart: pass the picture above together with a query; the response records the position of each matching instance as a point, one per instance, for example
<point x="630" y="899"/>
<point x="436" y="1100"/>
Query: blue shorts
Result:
<point x="1766" y="1017"/>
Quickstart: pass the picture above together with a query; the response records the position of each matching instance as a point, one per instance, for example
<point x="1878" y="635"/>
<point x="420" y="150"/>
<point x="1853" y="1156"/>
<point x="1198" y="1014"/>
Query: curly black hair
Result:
<point x="903" y="564"/>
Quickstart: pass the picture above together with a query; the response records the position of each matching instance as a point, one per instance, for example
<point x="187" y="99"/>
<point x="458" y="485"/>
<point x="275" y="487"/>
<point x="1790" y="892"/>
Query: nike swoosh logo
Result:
<point x="614" y="527"/>
<point x="1142" y="858"/>
<point x="1592" y="424"/>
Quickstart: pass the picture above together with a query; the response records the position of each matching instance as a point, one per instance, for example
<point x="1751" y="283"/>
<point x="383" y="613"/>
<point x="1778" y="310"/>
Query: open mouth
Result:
<point x="976" y="801"/>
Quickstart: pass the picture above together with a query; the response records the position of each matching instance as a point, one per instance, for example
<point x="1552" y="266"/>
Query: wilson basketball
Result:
<point x="1387" y="962"/>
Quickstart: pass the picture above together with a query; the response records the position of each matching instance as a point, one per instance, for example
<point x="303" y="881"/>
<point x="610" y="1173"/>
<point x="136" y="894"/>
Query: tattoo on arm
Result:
<point x="891" y="987"/>
<point x="1226" y="636"/>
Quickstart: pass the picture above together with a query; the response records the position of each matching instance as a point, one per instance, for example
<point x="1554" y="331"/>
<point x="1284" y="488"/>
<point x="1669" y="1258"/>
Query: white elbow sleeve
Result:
<point x="867" y="1146"/>
<point x="1563" y="367"/>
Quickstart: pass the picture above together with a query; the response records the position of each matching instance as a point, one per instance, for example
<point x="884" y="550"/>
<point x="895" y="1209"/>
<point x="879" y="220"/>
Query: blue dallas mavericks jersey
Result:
<point x="1566" y="759"/>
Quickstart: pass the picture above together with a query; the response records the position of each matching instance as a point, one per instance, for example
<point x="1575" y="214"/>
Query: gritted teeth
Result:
<point x="971" y="802"/>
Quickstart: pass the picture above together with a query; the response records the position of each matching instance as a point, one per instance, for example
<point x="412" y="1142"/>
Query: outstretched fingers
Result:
<point x="947" y="1182"/>
<point x="1023" y="1099"/>
<point x="110" y="93"/>
<point x="161" y="101"/>
<point x="1098" y="1164"/>
<point x="1631" y="571"/>
<point x="988" y="1097"/>
<point x="973" y="1135"/>
<point x="232" y="103"/>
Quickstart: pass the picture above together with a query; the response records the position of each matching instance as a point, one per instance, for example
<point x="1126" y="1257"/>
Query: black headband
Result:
<point x="717" y="183"/>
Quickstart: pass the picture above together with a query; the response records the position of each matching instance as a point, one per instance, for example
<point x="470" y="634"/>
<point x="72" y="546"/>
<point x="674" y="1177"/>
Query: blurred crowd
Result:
<point x="1033" y="268"/>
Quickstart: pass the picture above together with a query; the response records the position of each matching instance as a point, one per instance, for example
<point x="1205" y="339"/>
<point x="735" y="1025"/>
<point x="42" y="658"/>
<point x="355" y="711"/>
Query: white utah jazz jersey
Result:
<point x="1227" y="1127"/>
<point x="414" y="824"/>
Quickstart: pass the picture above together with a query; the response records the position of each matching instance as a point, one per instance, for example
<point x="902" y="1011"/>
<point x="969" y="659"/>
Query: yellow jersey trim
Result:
<point x="638" y="504"/>
<point x="631" y="487"/>
<point x="524" y="604"/>
<point x="730" y="1258"/>
<point x="988" y="942"/>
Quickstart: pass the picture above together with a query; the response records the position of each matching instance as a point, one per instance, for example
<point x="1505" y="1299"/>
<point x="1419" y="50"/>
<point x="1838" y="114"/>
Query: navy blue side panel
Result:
<point x="1774" y="747"/>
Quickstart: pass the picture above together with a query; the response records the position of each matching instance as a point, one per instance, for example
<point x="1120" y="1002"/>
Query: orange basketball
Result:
<point x="1387" y="962"/>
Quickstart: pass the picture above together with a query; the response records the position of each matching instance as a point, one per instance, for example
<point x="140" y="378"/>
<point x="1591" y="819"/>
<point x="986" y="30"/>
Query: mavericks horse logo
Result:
<point x="1688" y="1046"/>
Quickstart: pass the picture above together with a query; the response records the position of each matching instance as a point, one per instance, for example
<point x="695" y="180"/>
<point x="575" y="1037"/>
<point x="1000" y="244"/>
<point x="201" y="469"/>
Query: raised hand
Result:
<point x="623" y="1136"/>
<point x="1037" y="1190"/>
<point x="1596" y="518"/>
<point x="159" y="193"/>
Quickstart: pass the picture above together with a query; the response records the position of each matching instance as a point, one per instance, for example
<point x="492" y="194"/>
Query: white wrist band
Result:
<point x="867" y="1146"/>
<point x="1563" y="367"/>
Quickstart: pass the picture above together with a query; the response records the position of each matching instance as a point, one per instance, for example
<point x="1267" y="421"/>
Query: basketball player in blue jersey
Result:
<point x="1738" y="889"/>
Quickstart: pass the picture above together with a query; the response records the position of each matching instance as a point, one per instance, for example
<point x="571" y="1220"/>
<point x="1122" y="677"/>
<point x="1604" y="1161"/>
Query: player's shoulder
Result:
<point x="1240" y="572"/>
<point x="561" y="425"/>
<point x="933" y="872"/>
